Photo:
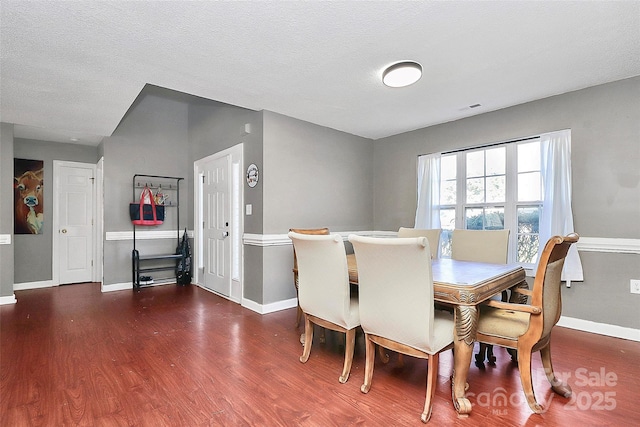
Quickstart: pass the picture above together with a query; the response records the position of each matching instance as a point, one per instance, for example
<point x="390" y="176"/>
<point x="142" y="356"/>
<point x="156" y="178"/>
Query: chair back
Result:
<point x="396" y="289"/>
<point x="546" y="292"/>
<point x="312" y="231"/>
<point x="480" y="245"/>
<point x="323" y="276"/>
<point x="432" y="235"/>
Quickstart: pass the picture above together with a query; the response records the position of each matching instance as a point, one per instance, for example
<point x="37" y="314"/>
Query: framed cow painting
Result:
<point x="28" y="185"/>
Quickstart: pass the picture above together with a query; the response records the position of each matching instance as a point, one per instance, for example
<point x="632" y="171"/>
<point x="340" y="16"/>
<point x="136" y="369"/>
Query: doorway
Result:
<point x="218" y="223"/>
<point x="75" y="252"/>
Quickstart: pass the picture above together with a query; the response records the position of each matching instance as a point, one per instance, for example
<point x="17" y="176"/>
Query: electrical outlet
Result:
<point x="635" y="286"/>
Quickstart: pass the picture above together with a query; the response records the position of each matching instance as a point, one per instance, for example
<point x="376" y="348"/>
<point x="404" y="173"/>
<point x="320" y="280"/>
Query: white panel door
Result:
<point x="216" y="212"/>
<point x="75" y="223"/>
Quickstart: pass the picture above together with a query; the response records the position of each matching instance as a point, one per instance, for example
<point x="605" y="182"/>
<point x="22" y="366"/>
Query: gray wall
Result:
<point x="30" y="247"/>
<point x="214" y="127"/>
<point x="151" y="139"/>
<point x="313" y="177"/>
<point x="6" y="208"/>
<point x="605" y="127"/>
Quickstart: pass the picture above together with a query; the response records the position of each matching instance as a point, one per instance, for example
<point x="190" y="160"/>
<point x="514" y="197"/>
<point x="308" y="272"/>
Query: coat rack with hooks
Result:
<point x="167" y="261"/>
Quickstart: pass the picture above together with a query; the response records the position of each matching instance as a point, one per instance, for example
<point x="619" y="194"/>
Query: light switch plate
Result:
<point x="635" y="286"/>
<point x="248" y="209"/>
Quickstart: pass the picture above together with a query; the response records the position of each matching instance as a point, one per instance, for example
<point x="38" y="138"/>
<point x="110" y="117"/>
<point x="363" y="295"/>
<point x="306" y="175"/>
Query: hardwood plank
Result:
<point x="182" y="356"/>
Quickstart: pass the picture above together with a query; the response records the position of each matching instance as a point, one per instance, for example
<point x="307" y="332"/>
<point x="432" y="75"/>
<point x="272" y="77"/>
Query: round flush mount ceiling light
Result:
<point x="402" y="74"/>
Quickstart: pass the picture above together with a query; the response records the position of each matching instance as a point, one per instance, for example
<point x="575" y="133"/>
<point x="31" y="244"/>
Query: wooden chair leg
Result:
<point x="490" y="357"/>
<point x="308" y="339"/>
<point x="298" y="316"/>
<point x="556" y="385"/>
<point x="432" y="381"/>
<point x="384" y="356"/>
<point x="524" y="365"/>
<point x="485" y="352"/>
<point x="348" y="354"/>
<point x="400" y="360"/>
<point x="370" y="357"/>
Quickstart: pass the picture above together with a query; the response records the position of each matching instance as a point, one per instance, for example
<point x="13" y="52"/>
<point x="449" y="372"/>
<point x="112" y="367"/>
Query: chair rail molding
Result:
<point x="144" y="235"/>
<point x="605" y="244"/>
<point x="264" y="240"/>
<point x="585" y="244"/>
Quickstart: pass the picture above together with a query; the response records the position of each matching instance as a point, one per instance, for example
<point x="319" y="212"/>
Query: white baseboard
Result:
<point x="127" y="286"/>
<point x="600" y="328"/>
<point x="9" y="299"/>
<point x="254" y="306"/>
<point x="33" y="285"/>
<point x="271" y="307"/>
<point x="116" y="287"/>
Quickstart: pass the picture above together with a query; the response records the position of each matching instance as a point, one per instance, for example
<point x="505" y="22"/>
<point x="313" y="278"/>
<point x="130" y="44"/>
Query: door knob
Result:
<point x="225" y="234"/>
<point x="64" y="230"/>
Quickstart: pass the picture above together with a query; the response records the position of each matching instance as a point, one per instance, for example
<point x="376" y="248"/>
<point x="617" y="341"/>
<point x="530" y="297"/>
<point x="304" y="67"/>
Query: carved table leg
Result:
<point x="466" y="325"/>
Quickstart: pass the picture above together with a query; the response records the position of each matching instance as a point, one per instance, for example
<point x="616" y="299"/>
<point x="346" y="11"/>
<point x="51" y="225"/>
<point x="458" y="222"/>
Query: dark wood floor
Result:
<point x="181" y="356"/>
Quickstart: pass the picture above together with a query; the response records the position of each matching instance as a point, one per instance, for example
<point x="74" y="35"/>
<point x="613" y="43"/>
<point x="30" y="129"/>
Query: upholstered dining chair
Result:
<point x="324" y="291"/>
<point x="527" y="327"/>
<point x="432" y="235"/>
<point x="482" y="246"/>
<point x="396" y="305"/>
<point x="312" y="231"/>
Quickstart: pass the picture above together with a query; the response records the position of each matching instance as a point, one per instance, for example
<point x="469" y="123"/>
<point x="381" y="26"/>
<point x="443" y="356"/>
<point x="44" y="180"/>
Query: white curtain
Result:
<point x="557" y="216"/>
<point x="428" y="210"/>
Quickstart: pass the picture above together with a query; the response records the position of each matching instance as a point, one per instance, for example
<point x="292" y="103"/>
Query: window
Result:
<point x="494" y="188"/>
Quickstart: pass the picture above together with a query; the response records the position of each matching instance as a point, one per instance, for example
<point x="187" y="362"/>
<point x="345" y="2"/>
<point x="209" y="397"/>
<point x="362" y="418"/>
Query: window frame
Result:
<point x="510" y="205"/>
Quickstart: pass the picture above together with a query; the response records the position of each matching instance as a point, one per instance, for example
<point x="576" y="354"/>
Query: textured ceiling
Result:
<point x="72" y="69"/>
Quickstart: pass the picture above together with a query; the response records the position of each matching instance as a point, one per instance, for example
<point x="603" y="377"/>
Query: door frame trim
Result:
<point x="236" y="152"/>
<point x="55" y="222"/>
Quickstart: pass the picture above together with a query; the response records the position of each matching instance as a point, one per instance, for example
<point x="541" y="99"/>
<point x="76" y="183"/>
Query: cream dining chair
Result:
<point x="313" y="231"/>
<point x="396" y="305"/>
<point x="324" y="291"/>
<point x="480" y="245"/>
<point x="490" y="246"/>
<point x="527" y="327"/>
<point x="432" y="235"/>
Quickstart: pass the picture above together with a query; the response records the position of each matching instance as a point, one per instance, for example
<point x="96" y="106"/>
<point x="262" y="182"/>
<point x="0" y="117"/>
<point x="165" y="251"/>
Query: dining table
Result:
<point x="463" y="285"/>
